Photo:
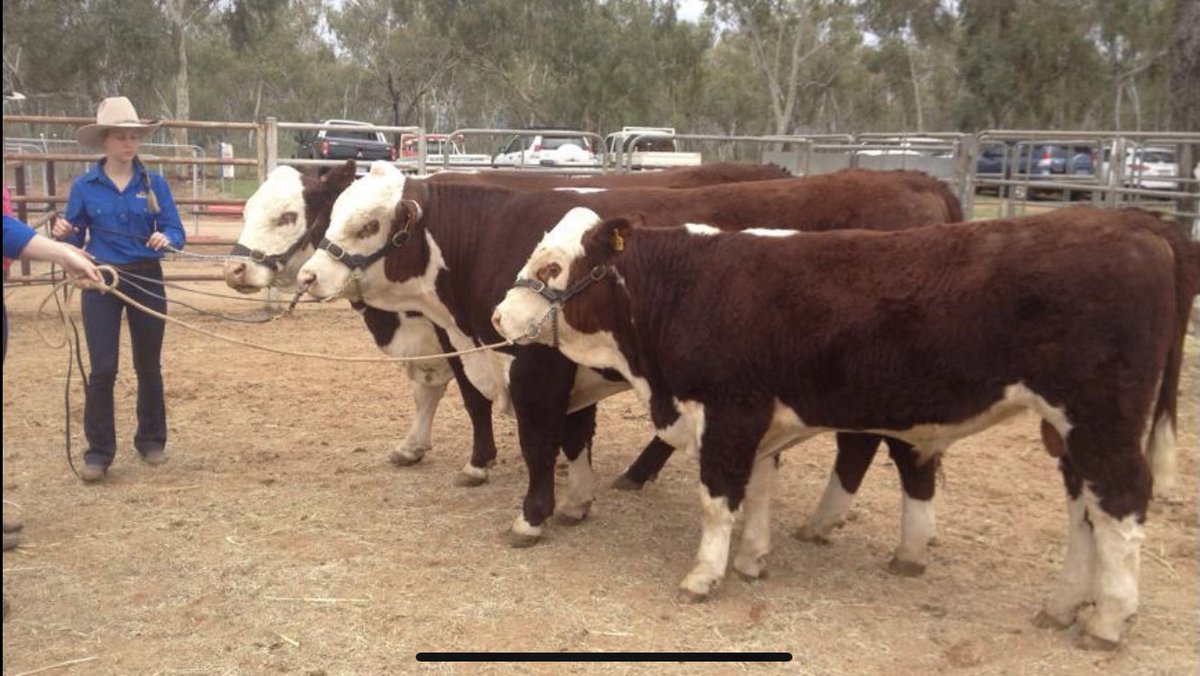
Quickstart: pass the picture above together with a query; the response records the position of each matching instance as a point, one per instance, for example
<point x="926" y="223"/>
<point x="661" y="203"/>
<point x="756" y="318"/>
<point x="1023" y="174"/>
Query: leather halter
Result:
<point x="362" y="261"/>
<point x="275" y="261"/>
<point x="280" y="260"/>
<point x="557" y="299"/>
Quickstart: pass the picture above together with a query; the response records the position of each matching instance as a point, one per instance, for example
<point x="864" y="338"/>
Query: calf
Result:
<point x="743" y="344"/>
<point x="450" y="252"/>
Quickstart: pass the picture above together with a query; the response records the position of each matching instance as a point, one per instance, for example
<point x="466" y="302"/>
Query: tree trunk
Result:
<point x="1185" y="103"/>
<point x="912" y="70"/>
<point x="176" y="17"/>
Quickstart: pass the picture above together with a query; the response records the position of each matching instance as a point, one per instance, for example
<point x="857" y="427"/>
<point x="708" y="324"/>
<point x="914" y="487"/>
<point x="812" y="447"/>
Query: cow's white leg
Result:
<point x="830" y="513"/>
<point x="429" y="386"/>
<point x="1118" y="545"/>
<point x="1075" y="583"/>
<point x="854" y="456"/>
<point x="581" y="488"/>
<point x="717" y="521"/>
<point x="916" y="530"/>
<point x="756" y="529"/>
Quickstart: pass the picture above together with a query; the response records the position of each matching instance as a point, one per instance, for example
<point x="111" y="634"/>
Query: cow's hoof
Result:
<point x="470" y="478"/>
<point x="523" y="534"/>
<point x="407" y="457"/>
<point x="624" y="483"/>
<point x="572" y="516"/>
<point x="1100" y="633"/>
<point x="808" y="534"/>
<point x="1046" y="620"/>
<point x="1088" y="642"/>
<point x="905" y="568"/>
<point x="522" y="540"/>
<point x="688" y="596"/>
<point x="753" y="574"/>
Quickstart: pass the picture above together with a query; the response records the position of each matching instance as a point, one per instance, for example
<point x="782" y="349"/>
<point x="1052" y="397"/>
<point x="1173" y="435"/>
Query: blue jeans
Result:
<point x="102" y="326"/>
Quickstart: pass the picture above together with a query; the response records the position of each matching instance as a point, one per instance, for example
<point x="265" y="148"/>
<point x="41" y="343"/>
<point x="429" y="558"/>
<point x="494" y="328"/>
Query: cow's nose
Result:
<point x="496" y="320"/>
<point x="234" y="272"/>
<point x="306" y="278"/>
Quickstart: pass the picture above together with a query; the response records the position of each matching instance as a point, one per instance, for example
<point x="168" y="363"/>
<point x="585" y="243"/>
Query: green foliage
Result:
<point x="745" y="67"/>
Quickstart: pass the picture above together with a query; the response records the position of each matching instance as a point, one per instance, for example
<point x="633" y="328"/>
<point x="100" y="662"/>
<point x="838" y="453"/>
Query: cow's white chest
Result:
<point x="599" y="351"/>
<point x="414" y="337"/>
<point x="590" y="387"/>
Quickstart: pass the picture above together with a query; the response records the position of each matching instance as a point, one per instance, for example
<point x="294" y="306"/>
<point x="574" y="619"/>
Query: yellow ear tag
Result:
<point x="618" y="242"/>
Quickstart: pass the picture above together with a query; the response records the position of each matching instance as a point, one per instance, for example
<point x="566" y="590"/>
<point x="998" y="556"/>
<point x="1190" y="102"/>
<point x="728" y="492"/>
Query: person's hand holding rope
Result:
<point x="61" y="228"/>
<point x="158" y="241"/>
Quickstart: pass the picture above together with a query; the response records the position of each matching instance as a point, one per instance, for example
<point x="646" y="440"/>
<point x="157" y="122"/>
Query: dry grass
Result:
<point x="278" y="539"/>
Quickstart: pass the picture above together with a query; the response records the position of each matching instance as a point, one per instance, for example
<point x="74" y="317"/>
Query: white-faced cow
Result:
<point x="287" y="217"/>
<point x="743" y="344"/>
<point x="451" y="251"/>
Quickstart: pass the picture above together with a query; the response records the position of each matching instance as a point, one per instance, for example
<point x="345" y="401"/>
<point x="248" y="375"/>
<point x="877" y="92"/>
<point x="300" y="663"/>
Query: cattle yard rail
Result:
<point x="1021" y="184"/>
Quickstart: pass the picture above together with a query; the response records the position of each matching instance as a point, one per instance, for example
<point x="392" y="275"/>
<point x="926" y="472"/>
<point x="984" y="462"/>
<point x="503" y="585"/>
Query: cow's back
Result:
<point x="675" y="178"/>
<point x="852" y="199"/>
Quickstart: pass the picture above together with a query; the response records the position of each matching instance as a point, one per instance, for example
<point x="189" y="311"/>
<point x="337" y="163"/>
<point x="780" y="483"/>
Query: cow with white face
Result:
<point x="284" y="220"/>
<point x="927" y="335"/>
<point x="280" y="224"/>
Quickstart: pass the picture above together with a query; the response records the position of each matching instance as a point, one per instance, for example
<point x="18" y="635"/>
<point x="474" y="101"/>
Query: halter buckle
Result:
<point x="257" y="255"/>
<point x="335" y="251"/>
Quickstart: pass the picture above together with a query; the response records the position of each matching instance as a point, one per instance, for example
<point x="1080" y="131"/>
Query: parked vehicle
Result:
<point x="440" y="149"/>
<point x="363" y="146"/>
<point x="649" y="148"/>
<point x="1147" y="167"/>
<point x="558" y="148"/>
<point x="1050" y="162"/>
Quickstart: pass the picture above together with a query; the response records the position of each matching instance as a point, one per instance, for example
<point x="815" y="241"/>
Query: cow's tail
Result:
<point x="1160" y="451"/>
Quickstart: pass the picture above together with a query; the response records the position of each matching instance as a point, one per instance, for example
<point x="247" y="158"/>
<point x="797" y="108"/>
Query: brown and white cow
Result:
<point x="287" y="217"/>
<point x="450" y="252"/>
<point x="743" y="344"/>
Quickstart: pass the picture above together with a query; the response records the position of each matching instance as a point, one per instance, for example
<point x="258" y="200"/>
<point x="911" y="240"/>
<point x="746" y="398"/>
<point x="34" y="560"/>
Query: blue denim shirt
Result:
<point x="16" y="236"/>
<point x="119" y="221"/>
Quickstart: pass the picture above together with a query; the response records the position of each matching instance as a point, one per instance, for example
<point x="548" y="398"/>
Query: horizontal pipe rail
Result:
<point x="146" y="159"/>
<point x="180" y="201"/>
<point x="170" y="124"/>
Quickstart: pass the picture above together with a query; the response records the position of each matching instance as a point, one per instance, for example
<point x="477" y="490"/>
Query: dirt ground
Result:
<point x="278" y="539"/>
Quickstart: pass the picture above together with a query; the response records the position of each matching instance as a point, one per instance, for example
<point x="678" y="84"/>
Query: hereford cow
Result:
<point x="743" y="344"/>
<point x="450" y="252"/>
<point x="288" y="215"/>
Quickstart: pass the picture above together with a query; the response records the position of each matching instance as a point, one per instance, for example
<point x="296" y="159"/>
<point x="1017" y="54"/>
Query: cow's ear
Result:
<point x="408" y="214"/>
<point x="609" y="237"/>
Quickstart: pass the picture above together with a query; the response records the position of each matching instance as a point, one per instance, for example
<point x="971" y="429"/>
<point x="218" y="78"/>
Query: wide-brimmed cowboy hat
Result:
<point x="115" y="112"/>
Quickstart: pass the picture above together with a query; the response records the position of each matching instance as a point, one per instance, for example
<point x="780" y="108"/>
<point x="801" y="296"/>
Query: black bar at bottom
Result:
<point x="603" y="657"/>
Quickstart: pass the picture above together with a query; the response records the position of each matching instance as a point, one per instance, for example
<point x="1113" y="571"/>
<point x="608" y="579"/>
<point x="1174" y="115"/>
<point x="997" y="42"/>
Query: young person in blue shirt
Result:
<point x="127" y="217"/>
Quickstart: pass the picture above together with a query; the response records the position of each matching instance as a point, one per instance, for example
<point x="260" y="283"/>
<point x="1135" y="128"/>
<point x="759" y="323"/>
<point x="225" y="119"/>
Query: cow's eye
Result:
<point x="369" y="229"/>
<point x="548" y="272"/>
<point x="287" y="218"/>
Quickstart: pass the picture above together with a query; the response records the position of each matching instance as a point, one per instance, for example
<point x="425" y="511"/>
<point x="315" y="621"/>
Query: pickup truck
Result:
<point x="334" y="144"/>
<point x="648" y="148"/>
<point x="440" y="149"/>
